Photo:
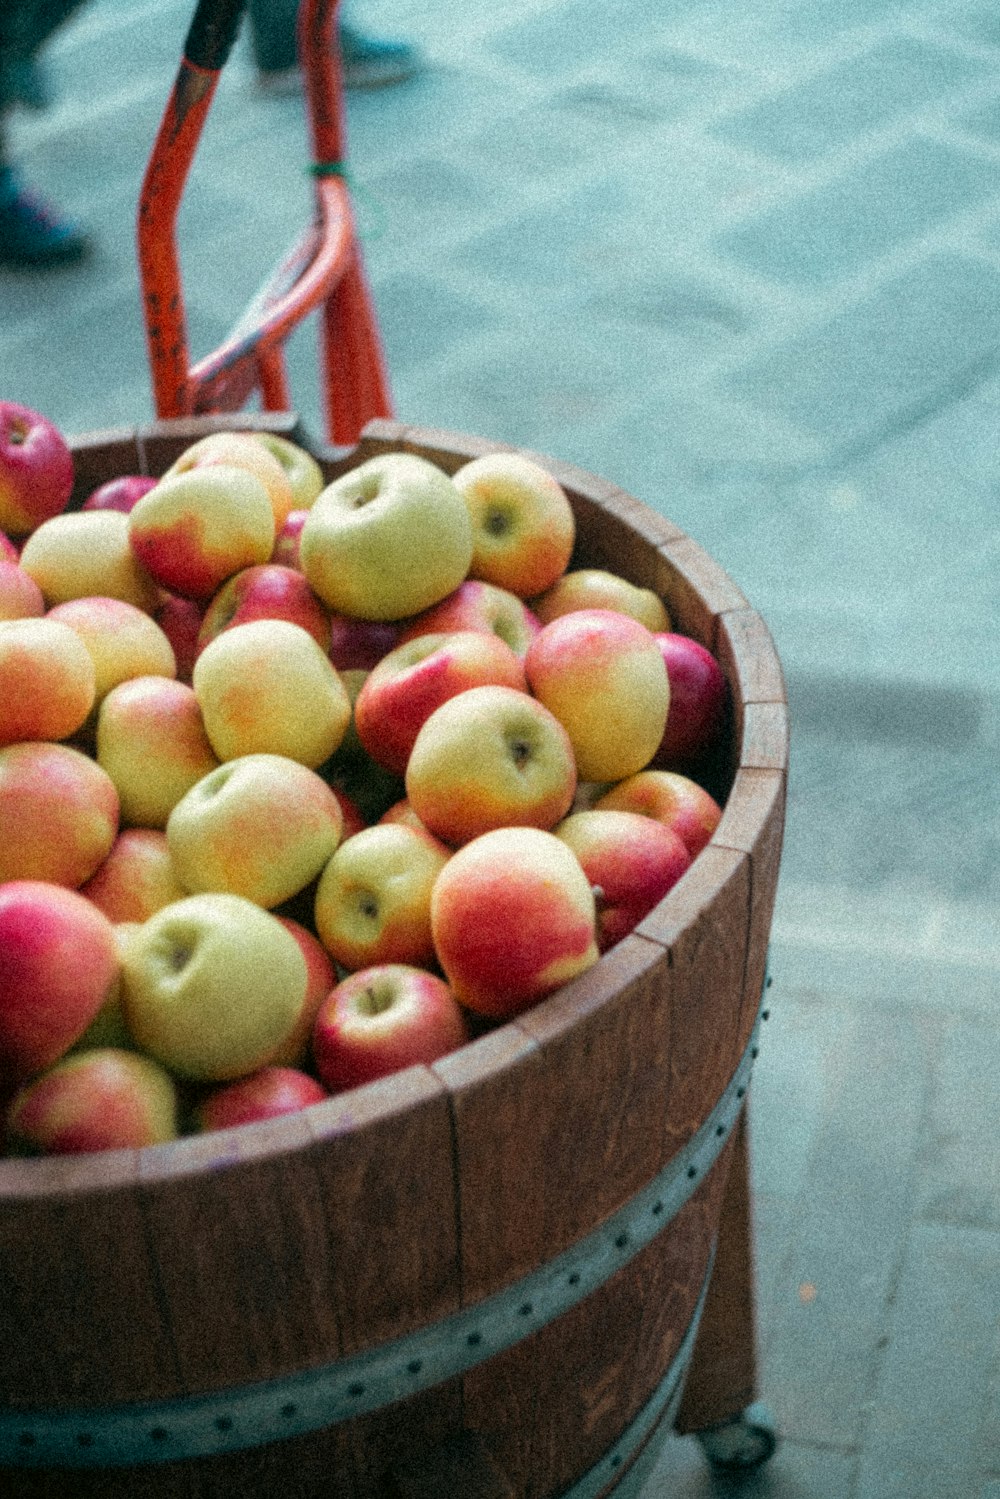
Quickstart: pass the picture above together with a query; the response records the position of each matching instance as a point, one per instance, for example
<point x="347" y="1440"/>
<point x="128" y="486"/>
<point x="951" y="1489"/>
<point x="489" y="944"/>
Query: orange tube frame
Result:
<point x="323" y="273"/>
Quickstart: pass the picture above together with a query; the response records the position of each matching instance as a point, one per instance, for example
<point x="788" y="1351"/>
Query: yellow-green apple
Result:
<point x="699" y="696"/>
<point x="387" y="539"/>
<point x="384" y="1018"/>
<point x="321" y="976"/>
<point x="492" y="757"/>
<point x="58" y="961"/>
<point x="84" y="552"/>
<point x="137" y="878"/>
<point x="602" y="675"/>
<point x="475" y="605"/>
<point x="194" y="529"/>
<point x="360" y="644"/>
<point x="20" y="595"/>
<point x="267" y="591"/>
<point x="513" y="917"/>
<point x="286" y="542"/>
<point x="373" y="900"/>
<point x="36" y="469"/>
<point x="58" y="813"/>
<point x="123" y="641"/>
<point x="151" y="741"/>
<point x="403" y="690"/>
<point x="241" y="450"/>
<point x="213" y="986"/>
<point x="122" y="493"/>
<point x="100" y="1098"/>
<point x="47" y="680"/>
<point x="266" y="687"/>
<point x="596" y="588"/>
<point x="303" y="473"/>
<point x="671" y="798"/>
<point x="266" y="1094"/>
<point x="180" y="620"/>
<point x="260" y="826"/>
<point x="522" y="523"/>
<point x="631" y="862"/>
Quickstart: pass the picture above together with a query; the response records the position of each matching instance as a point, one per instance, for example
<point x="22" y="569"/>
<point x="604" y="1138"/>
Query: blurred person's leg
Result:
<point x="368" y="61"/>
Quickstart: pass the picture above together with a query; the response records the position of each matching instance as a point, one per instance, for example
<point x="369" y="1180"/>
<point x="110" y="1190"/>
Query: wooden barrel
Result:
<point x="493" y="1267"/>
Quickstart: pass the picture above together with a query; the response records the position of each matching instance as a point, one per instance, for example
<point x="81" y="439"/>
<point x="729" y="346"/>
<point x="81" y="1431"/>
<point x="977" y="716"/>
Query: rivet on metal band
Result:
<point x="253" y="1415"/>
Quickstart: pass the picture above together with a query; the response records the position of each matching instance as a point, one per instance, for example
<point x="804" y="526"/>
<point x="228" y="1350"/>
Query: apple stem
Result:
<point x="374" y="1001"/>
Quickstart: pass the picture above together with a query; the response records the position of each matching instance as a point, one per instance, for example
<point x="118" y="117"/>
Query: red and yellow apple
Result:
<point x="523" y="526"/>
<point x="59" y="814"/>
<point x="58" y="962"/>
<point x="513" y="917"/>
<point x="373" y="900"/>
<point x="123" y="641"/>
<point x="304" y="475"/>
<point x="671" y="798"/>
<point x="36" y="469"/>
<point x="602" y="675"/>
<point x="491" y="757"/>
<point x="101" y="1098"/>
<point x="476" y="605"/>
<point x="47" y="680"/>
<point x="266" y="1094"/>
<point x="597" y="588"/>
<point x="151" y="741"/>
<point x="241" y="450"/>
<point x="631" y="862"/>
<point x="121" y="493"/>
<point x="195" y="528"/>
<point x="268" y="591"/>
<point x="20" y="595"/>
<point x="382" y="1019"/>
<point x="137" y="878"/>
<point x="88" y="552"/>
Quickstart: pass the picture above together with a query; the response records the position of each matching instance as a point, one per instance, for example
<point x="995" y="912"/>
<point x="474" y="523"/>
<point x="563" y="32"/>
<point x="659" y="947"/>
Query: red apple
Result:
<point x="98" y="1099"/>
<point x="36" y="469"/>
<point x="631" y="862"/>
<point x="266" y="1094"/>
<point x="59" y="813"/>
<point x="698" y="698"/>
<point x="671" y="798"/>
<point x="58" y="961"/>
<point x="476" y="605"/>
<point x="266" y="591"/>
<point x="360" y="644"/>
<point x="119" y="494"/>
<point x="402" y="691"/>
<point x="321" y="976"/>
<point x="180" y="620"/>
<point x="382" y="1019"/>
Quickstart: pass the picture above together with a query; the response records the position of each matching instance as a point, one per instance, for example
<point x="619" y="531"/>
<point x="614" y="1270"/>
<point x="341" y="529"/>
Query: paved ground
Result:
<point x="744" y="260"/>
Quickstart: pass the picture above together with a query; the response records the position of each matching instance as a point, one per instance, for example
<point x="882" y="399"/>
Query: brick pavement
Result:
<point x="744" y="260"/>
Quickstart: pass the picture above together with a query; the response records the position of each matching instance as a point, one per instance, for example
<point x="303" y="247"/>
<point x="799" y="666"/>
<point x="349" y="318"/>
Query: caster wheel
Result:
<point x="743" y="1443"/>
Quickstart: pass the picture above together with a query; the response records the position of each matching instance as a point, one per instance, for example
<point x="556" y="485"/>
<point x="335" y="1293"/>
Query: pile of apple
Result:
<point x="302" y="783"/>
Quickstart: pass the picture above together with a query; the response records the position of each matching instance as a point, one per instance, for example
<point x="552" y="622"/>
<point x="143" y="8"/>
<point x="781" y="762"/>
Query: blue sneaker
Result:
<point x="33" y="236"/>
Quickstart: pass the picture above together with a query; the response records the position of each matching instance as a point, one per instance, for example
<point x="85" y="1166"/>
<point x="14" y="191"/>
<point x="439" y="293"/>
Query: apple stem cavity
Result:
<point x="374" y="1000"/>
<point x="497" y="523"/>
<point x="520" y="751"/>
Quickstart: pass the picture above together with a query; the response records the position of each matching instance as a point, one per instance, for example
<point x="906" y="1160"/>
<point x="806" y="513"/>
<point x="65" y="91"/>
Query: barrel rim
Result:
<point x="756" y="681"/>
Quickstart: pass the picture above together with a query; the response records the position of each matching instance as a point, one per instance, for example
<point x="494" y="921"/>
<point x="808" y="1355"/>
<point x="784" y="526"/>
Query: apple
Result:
<point x="58" y="961"/>
<point x="137" y="878"/>
<point x="121" y="493"/>
<point x="9" y="552"/>
<point x="699" y="696"/>
<point x="522" y="523"/>
<point x="151" y="741"/>
<point x="286" y="543"/>
<point x="402" y="812"/>
<point x="514" y="918"/>
<point x="195" y="528"/>
<point x="491" y="757"/>
<point x="602" y="675"/>
<point x="266" y="1094"/>
<point x="36" y="469"/>
<point x="671" y="798"/>
<point x="382" y="1019"/>
<point x="108" y="1026"/>
<point x="360" y="644"/>
<point x="47" y="680"/>
<point x="351" y="813"/>
<point x="180" y="620"/>
<point x="85" y="552"/>
<point x="402" y="691"/>
<point x="387" y="539"/>
<point x="102" y="1098"/>
<point x="58" y="814"/>
<point x="20" y="595"/>
<point x="631" y="862"/>
<point x="266" y="687"/>
<point x="596" y="588"/>
<point x="260" y="826"/>
<point x="213" y="986"/>
<point x="304" y="475"/>
<point x="475" y="605"/>
<point x="321" y="976"/>
<point x="267" y="591"/>
<point x="123" y="641"/>
<point x="241" y="450"/>
<point x="373" y="900"/>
